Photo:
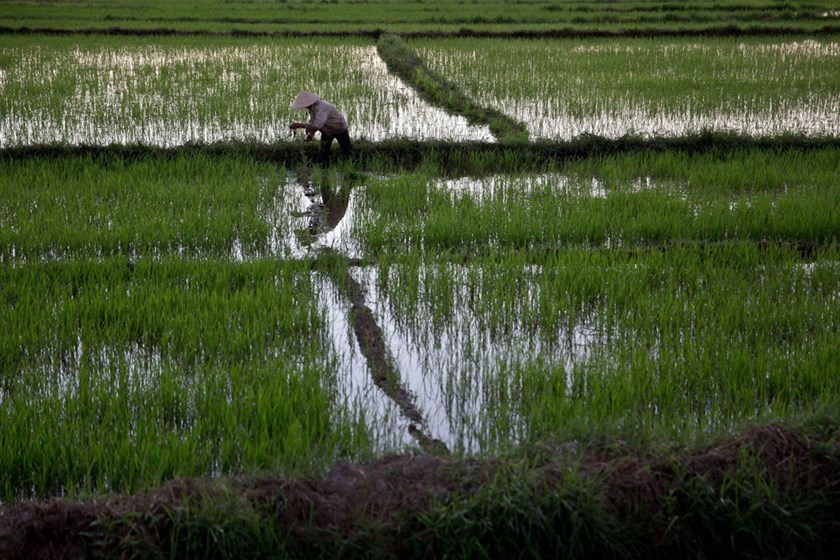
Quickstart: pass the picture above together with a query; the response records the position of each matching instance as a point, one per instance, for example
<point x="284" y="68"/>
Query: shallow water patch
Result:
<point x="320" y="210"/>
<point x="168" y="92"/>
<point x="564" y="89"/>
<point x="458" y="368"/>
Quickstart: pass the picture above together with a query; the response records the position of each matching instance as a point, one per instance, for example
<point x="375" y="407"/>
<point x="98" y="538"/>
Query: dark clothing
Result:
<point x="326" y="143"/>
<point x="326" y="119"/>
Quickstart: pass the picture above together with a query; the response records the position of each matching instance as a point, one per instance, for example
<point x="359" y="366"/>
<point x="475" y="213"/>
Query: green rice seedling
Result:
<point x="683" y="342"/>
<point x="626" y="201"/>
<point x="563" y="89"/>
<point x="430" y="16"/>
<point x="119" y="375"/>
<point x="174" y="91"/>
<point x="148" y="207"/>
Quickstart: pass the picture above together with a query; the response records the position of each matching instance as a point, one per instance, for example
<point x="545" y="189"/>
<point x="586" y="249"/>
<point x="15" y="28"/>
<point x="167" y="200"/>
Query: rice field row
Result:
<point x="562" y="89"/>
<point x="429" y="15"/>
<point x="150" y="348"/>
<point x="97" y="208"/>
<point x="169" y="92"/>
<point x="614" y="202"/>
<point x="503" y="351"/>
<point x="118" y="376"/>
<point x="237" y="209"/>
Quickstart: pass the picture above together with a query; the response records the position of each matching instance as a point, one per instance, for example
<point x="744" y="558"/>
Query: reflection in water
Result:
<point x="663" y="87"/>
<point x="359" y="393"/>
<point x="459" y="370"/>
<point x="324" y="216"/>
<point x="454" y="373"/>
<point x="168" y="94"/>
<point x="322" y="210"/>
<point x="307" y="212"/>
<point x="504" y="188"/>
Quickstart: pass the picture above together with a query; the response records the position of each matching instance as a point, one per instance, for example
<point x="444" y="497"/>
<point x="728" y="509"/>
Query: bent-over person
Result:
<point x="326" y="119"/>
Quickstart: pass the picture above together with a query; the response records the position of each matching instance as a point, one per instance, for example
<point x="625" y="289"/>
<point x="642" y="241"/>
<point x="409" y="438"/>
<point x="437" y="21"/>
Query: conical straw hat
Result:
<point x="304" y="99"/>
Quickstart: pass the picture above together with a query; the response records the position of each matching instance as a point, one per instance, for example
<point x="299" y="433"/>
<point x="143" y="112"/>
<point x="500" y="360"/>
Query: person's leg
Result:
<point x="344" y="143"/>
<point x="324" y="151"/>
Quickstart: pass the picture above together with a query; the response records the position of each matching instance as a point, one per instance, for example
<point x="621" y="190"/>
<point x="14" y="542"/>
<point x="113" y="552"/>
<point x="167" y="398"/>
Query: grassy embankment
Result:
<point x="437" y="90"/>
<point x="771" y="492"/>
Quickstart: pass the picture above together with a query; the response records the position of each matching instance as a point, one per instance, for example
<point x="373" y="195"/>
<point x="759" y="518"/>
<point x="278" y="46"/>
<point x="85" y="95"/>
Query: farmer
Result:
<point x="323" y="118"/>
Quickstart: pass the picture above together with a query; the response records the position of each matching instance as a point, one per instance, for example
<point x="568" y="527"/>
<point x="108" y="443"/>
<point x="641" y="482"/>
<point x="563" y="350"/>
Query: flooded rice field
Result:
<point x="215" y="313"/>
<point x="167" y="93"/>
<point x="650" y="87"/>
<point x="467" y="378"/>
<point x="221" y="315"/>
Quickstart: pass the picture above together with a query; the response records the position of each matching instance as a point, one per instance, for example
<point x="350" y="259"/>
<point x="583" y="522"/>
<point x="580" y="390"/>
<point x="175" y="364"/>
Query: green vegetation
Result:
<point x="622" y="201"/>
<point x="677" y="342"/>
<point x="90" y="207"/>
<point x="741" y="497"/>
<point x="616" y="338"/>
<point x="137" y="350"/>
<point x="403" y="61"/>
<point x="118" y="376"/>
<point x="660" y="292"/>
<point x="439" y="16"/>
<point x="655" y="291"/>
<point x="108" y="90"/>
<point x="166" y="91"/>
<point x="649" y="87"/>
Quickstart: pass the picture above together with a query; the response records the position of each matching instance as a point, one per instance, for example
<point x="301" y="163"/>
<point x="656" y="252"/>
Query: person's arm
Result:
<point x="298" y="125"/>
<point x="318" y="120"/>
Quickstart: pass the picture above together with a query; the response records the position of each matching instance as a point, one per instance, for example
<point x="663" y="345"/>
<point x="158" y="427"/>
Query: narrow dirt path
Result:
<point x="324" y="215"/>
<point x="382" y="369"/>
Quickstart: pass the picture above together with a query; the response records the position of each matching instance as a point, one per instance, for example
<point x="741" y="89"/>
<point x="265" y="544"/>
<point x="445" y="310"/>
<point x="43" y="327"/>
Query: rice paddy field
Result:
<point x="169" y="92"/>
<point x="651" y="87"/>
<point x="427" y="16"/>
<point x="654" y="268"/>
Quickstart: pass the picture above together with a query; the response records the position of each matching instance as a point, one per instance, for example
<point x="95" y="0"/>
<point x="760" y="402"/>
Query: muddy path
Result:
<point x="328" y="207"/>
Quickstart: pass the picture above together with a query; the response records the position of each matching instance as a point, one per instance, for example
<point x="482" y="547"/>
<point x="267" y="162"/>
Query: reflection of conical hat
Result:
<point x="304" y="99"/>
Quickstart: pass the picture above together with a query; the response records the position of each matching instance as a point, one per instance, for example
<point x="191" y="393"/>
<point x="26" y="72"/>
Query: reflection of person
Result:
<point x="335" y="203"/>
<point x="324" y="216"/>
<point x="326" y="119"/>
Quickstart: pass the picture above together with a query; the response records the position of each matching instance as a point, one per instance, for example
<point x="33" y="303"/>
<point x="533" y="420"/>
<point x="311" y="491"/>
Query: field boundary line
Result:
<point x="452" y="155"/>
<point x="376" y="33"/>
